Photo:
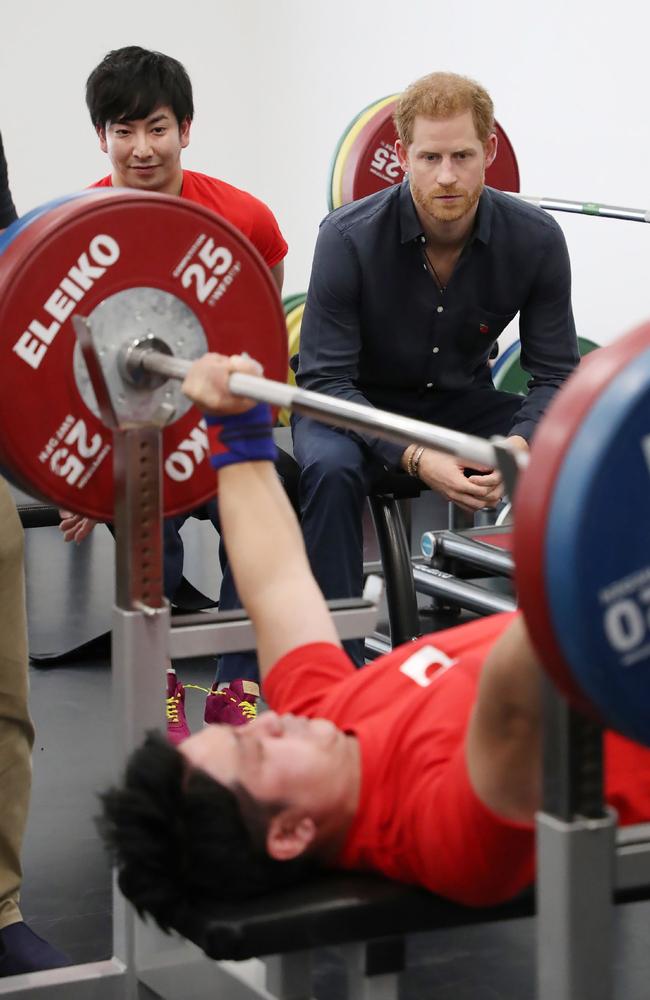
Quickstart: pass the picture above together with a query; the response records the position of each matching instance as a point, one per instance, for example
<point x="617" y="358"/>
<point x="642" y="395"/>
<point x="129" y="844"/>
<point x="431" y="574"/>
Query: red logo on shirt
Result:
<point x="484" y="328"/>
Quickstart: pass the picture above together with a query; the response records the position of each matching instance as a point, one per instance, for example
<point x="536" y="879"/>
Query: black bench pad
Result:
<point x="332" y="909"/>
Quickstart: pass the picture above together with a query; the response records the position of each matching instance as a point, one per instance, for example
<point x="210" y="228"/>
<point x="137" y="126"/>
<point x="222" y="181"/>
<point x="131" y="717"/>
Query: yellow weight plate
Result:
<point x="294" y="321"/>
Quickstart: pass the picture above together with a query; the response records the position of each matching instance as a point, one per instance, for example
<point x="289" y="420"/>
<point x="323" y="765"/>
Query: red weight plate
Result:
<point x="504" y="172"/>
<point x="372" y="164"/>
<point x="6" y="238"/>
<point x="534" y="494"/>
<point x="73" y="258"/>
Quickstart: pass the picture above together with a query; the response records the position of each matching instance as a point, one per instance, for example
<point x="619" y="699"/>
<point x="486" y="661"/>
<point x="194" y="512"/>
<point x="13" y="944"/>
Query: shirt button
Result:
<point x="440" y="309"/>
<point x="435" y="350"/>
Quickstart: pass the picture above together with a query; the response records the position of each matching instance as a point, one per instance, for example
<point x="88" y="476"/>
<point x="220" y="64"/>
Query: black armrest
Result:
<point x="37" y="515"/>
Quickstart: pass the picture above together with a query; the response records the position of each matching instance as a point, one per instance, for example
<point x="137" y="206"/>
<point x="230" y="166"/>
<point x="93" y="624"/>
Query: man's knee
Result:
<point x="330" y="462"/>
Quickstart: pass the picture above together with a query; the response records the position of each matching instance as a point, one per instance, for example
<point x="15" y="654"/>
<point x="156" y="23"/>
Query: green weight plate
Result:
<point x="511" y="377"/>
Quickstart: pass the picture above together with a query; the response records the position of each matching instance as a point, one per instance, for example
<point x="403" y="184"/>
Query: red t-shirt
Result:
<point x="248" y="214"/>
<point x="419" y="820"/>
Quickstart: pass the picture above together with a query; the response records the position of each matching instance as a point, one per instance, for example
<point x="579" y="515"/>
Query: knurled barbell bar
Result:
<point x="151" y="269"/>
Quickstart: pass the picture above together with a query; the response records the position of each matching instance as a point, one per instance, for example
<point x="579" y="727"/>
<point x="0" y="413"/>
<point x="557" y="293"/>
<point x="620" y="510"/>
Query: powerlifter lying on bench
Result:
<point x="424" y="766"/>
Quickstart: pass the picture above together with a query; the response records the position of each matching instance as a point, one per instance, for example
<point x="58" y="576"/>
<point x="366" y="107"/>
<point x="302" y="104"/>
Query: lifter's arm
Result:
<point x="263" y="541"/>
<point x="504" y="736"/>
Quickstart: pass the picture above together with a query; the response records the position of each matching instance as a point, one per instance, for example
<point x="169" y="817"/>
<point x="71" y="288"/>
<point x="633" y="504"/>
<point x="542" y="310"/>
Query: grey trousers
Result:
<point x="16" y="730"/>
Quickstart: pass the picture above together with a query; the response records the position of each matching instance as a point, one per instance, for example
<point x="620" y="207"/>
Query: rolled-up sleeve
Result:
<point x="330" y="334"/>
<point x="549" y="347"/>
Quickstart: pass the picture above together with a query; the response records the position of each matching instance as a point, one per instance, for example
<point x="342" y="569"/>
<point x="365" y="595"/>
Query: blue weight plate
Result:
<point x="597" y="552"/>
<point x="14" y="230"/>
<point x="535" y="491"/>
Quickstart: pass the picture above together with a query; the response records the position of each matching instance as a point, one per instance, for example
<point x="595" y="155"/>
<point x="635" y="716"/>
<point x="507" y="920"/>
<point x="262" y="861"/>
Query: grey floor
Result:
<point x="66" y="894"/>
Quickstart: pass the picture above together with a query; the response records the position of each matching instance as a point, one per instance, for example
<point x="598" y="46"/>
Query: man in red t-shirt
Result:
<point x="141" y="106"/>
<point x="424" y="765"/>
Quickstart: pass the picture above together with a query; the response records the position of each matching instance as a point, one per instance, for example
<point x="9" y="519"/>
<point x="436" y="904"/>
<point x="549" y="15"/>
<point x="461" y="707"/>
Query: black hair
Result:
<point x="130" y="83"/>
<point x="180" y="840"/>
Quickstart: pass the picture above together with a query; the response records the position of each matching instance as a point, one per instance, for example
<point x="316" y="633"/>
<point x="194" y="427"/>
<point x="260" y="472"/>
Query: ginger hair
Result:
<point x="444" y="95"/>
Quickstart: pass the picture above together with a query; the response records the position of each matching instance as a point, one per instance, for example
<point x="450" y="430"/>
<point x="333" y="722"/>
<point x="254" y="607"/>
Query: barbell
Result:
<point x="153" y="282"/>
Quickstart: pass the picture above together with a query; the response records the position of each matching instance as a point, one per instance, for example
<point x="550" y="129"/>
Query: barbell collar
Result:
<point x="343" y="413"/>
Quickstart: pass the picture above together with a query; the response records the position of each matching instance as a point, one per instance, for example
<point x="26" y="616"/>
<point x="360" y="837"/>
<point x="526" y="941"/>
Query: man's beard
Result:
<point x="441" y="211"/>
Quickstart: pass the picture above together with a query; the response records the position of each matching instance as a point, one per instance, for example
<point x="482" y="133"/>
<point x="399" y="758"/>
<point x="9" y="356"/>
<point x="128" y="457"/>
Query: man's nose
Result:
<point x="142" y="147"/>
<point x="446" y="173"/>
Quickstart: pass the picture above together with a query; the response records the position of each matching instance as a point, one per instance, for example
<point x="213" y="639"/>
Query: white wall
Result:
<point x="276" y="82"/>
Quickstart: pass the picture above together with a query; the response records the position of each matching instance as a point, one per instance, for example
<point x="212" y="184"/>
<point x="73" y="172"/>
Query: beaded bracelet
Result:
<point x="414" y="461"/>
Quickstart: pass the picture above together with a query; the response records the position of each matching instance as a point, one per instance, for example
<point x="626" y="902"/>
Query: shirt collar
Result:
<point x="411" y="227"/>
<point x="483" y="220"/>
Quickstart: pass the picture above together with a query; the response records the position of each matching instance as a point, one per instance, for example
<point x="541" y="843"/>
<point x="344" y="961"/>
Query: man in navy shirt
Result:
<point x="410" y="289"/>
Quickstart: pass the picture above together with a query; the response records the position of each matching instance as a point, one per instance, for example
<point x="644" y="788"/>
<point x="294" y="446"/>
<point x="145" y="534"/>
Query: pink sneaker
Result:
<point x="234" y="705"/>
<point x="177" y="727"/>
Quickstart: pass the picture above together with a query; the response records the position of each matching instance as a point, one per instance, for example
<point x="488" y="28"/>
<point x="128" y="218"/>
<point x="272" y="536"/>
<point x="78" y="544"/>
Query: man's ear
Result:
<point x="289" y="835"/>
<point x="491" y="149"/>
<point x="184" y="130"/>
<point x="101" y="132"/>
<point x="400" y="152"/>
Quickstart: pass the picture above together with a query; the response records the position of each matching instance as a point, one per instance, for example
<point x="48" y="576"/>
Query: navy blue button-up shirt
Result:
<point x="377" y="329"/>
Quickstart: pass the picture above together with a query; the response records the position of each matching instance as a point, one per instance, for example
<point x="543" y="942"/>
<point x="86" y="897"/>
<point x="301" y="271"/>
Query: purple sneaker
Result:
<point x="234" y="705"/>
<point x="177" y="727"/>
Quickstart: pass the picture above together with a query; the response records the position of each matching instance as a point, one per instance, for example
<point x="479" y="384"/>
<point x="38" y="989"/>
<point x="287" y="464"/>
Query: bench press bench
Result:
<point x="365" y="915"/>
<point x="368" y="916"/>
